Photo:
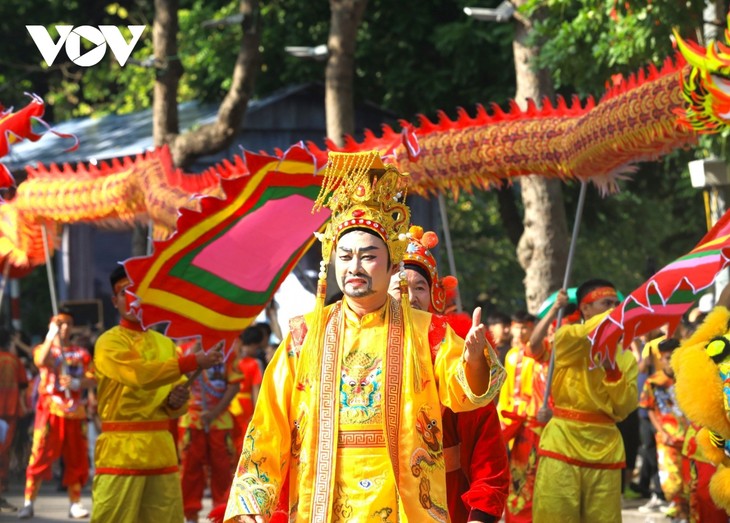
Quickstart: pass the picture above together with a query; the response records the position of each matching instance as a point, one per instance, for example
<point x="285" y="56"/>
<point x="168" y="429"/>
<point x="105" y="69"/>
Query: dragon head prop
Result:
<point x="702" y="369"/>
<point x="706" y="89"/>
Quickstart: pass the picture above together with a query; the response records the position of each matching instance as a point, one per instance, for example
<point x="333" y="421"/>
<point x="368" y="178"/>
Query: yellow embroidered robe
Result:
<point x="347" y="458"/>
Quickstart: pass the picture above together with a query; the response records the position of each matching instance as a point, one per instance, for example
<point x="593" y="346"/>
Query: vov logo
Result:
<point x="71" y="36"/>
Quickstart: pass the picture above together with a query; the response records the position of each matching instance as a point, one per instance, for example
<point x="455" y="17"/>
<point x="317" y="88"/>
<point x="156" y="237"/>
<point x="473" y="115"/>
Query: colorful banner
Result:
<point x="217" y="272"/>
<point x="667" y="295"/>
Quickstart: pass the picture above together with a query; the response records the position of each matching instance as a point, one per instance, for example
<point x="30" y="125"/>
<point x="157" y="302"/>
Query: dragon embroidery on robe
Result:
<point x="426" y="459"/>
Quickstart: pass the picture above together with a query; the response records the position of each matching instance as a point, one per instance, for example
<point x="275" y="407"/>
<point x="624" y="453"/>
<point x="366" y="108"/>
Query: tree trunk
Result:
<point x="345" y="19"/>
<point x="217" y="136"/>
<point x="542" y="249"/>
<point x="510" y="214"/>
<point x="213" y="137"/>
<point x="164" y="103"/>
<point x="168" y="69"/>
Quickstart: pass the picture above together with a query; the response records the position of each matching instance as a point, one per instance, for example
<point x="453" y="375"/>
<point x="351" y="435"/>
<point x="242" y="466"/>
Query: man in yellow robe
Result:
<point x="139" y="376"/>
<point x="349" y="411"/>
<point x="581" y="451"/>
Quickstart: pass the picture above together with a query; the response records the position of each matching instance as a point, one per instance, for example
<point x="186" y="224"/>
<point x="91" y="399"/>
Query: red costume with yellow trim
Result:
<point x="60" y="421"/>
<point x="697" y="471"/>
<point x="477" y="472"/>
<point x="208" y="446"/>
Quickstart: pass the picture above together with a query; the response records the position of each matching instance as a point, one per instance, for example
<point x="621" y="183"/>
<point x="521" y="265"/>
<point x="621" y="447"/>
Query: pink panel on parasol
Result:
<point x="254" y="272"/>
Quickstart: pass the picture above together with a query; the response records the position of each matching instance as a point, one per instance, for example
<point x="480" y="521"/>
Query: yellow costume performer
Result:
<point x="519" y="401"/>
<point x="137" y="479"/>
<point x="581" y="450"/>
<point x="349" y="411"/>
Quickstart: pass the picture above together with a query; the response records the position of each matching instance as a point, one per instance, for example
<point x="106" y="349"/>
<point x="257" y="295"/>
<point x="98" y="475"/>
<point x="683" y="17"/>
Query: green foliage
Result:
<point x="412" y="56"/>
<point x="462" y="62"/>
<point x="69" y="90"/>
<point x="433" y="57"/>
<point x="583" y="43"/>
<point x="486" y="261"/>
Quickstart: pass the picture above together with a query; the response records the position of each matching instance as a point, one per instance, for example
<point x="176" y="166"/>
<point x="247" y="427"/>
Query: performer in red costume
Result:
<point x="60" y="419"/>
<point x="477" y="467"/>
<point x="206" y="435"/>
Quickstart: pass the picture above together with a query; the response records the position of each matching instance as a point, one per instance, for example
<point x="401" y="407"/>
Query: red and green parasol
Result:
<point x="224" y="263"/>
<point x="667" y="295"/>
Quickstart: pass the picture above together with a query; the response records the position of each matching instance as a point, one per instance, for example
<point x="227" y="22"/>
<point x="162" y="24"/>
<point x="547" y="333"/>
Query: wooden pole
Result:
<point x="544" y="414"/>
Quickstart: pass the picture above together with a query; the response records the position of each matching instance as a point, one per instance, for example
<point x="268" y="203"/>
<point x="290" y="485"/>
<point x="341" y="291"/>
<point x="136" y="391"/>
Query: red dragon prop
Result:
<point x="20" y="240"/>
<point x="635" y="120"/>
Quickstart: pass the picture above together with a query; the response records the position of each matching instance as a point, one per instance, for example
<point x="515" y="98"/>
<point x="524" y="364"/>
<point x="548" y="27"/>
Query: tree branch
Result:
<point x="219" y="135"/>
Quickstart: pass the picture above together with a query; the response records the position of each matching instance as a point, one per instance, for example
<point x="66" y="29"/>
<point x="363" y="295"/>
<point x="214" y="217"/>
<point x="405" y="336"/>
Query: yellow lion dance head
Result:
<point x="702" y="369"/>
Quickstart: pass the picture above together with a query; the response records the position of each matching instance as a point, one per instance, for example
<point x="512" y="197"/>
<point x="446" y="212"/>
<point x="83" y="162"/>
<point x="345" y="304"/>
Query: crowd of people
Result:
<point x="161" y="433"/>
<point x="671" y="473"/>
<point x="386" y="404"/>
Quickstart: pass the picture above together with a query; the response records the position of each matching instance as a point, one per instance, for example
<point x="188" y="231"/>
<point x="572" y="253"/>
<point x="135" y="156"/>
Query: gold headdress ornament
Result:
<point x="363" y="193"/>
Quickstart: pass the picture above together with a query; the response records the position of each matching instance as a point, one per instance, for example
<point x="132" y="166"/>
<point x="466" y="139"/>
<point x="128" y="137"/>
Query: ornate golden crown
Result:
<point x="364" y="193"/>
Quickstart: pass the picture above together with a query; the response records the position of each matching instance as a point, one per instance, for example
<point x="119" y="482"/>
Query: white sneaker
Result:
<point x="26" y="512"/>
<point x="77" y="511"/>
<point x="653" y="505"/>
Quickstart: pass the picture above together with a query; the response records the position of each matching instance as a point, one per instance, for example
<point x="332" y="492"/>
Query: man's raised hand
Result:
<point x="476" y="338"/>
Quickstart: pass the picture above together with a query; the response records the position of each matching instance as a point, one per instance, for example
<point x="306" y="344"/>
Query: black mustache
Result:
<point x="358" y="275"/>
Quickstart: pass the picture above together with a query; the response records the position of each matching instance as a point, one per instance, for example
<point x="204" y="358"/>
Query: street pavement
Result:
<point x="631" y="514"/>
<point x="52" y="504"/>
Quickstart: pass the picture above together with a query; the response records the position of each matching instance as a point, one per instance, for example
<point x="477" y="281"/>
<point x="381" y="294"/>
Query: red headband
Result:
<point x="597" y="294"/>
